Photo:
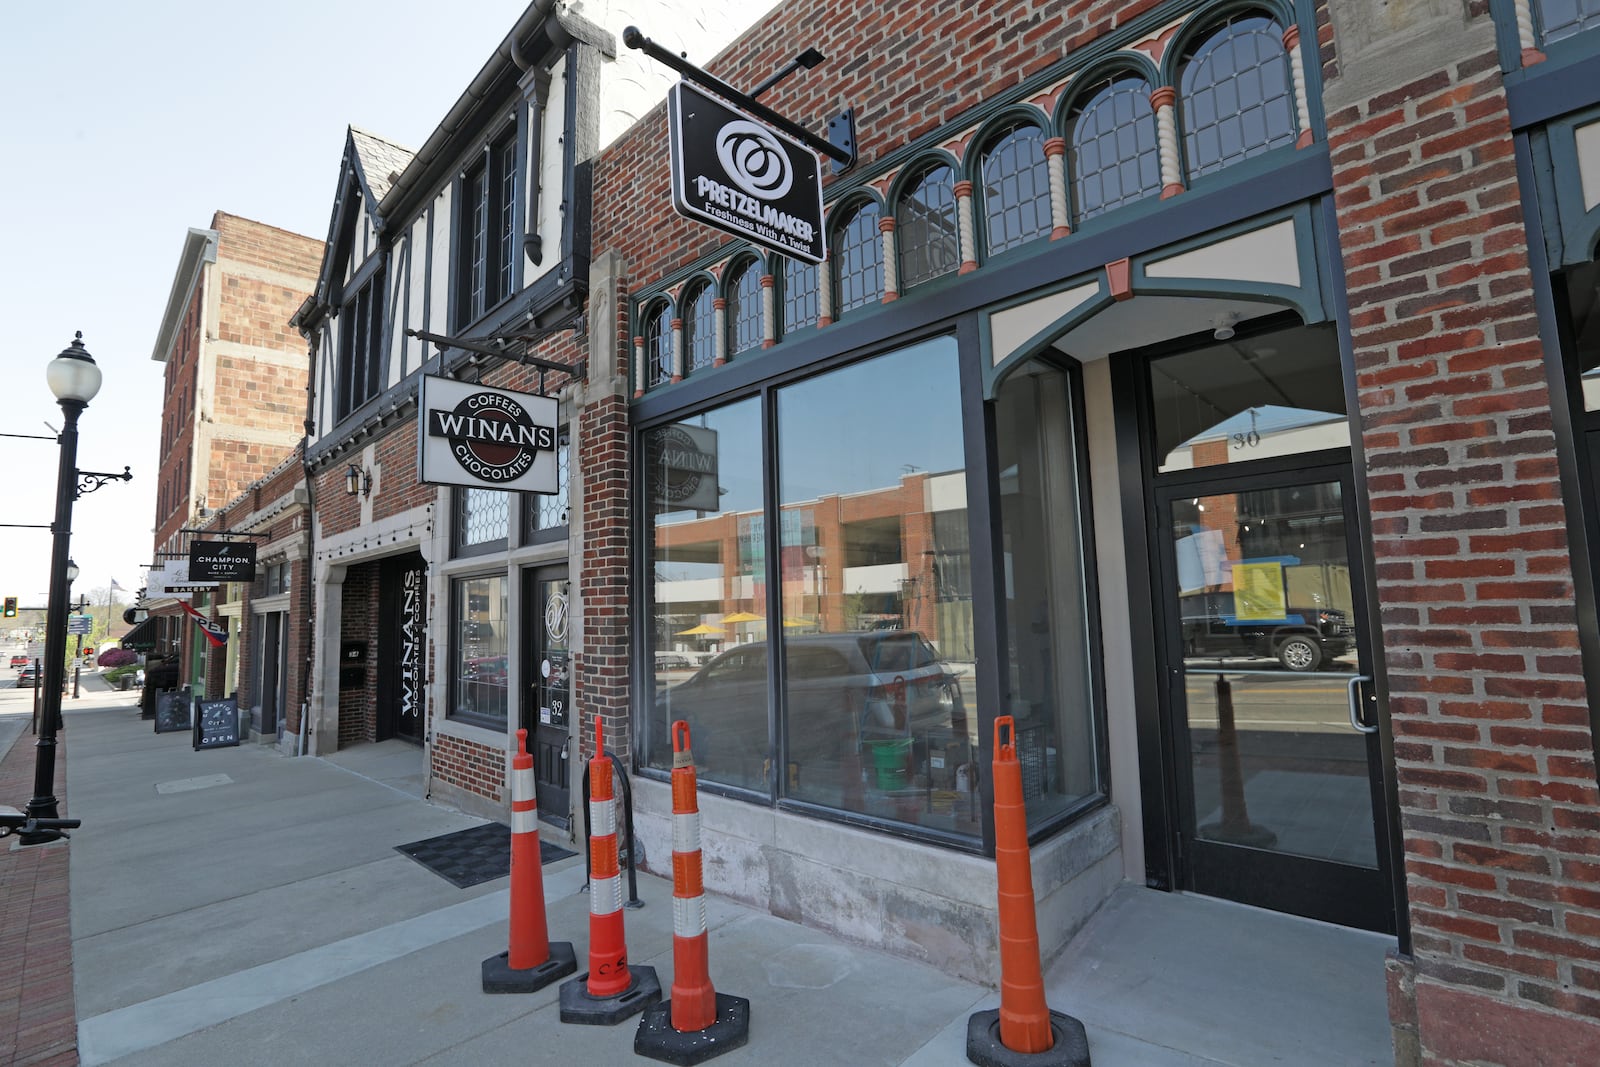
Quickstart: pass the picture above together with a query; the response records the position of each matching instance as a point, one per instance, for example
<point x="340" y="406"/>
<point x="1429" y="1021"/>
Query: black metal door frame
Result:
<point x="1324" y="889"/>
<point x="544" y="699"/>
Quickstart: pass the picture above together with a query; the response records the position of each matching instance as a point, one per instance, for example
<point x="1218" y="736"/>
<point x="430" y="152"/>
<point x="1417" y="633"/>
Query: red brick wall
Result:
<point x="1492" y="746"/>
<point x="470" y="766"/>
<point x="176" y="432"/>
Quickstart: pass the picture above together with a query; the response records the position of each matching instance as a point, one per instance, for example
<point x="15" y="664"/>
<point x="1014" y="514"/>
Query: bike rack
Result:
<point x="617" y="769"/>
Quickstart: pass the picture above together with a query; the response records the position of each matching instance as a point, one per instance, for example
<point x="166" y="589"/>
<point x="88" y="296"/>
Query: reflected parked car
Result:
<point x="18" y="661"/>
<point x="840" y="689"/>
<point x="1303" y="640"/>
<point x="28" y="678"/>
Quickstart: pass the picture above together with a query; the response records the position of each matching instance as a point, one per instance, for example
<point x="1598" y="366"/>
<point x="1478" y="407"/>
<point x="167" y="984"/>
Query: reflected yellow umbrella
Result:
<point x="743" y="616"/>
<point x="701" y="630"/>
<point x="799" y="622"/>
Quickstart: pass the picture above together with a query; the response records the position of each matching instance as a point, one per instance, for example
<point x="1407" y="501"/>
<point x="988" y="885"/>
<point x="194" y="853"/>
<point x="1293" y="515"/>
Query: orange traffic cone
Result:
<point x="698" y="1022"/>
<point x="533" y="961"/>
<point x="610" y="990"/>
<point x="1024" y="1031"/>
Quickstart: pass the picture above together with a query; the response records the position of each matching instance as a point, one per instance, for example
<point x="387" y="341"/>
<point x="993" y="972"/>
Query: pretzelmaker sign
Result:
<point x="742" y="176"/>
<point x="486" y="438"/>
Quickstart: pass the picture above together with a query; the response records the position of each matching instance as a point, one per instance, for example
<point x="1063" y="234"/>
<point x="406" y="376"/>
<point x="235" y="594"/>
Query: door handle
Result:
<point x="1355" y="705"/>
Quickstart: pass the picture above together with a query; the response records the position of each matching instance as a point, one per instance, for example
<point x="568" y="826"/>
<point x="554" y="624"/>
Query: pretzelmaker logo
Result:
<point x="492" y="436"/>
<point x="754" y="159"/>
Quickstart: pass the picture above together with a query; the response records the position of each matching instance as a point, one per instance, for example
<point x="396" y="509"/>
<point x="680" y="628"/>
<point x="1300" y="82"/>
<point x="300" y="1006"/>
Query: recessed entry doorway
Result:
<point x="547" y="687"/>
<point x="1273" y="793"/>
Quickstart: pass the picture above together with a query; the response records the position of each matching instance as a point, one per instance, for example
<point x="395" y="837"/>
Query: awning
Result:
<point x="142" y="638"/>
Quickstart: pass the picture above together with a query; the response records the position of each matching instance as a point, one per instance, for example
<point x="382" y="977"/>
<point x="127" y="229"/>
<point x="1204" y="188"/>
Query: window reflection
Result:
<point x="1236" y="98"/>
<point x="1248" y="398"/>
<point x="478" y="621"/>
<point x="876" y="610"/>
<point x="1561" y="19"/>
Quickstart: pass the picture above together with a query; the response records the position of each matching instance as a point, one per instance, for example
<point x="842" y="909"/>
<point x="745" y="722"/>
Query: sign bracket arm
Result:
<point x="842" y="154"/>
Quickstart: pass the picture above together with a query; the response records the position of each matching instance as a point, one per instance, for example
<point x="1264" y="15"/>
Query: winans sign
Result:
<point x="742" y="176"/>
<point x="486" y="438"/>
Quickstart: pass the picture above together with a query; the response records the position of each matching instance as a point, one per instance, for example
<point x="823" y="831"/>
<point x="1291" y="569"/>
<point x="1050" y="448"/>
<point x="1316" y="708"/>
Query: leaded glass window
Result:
<point x="1114" y="158"/>
<point x="744" y="308"/>
<point x="857" y="259"/>
<point x="658" y="345"/>
<point x="1236" y="95"/>
<point x="1561" y="19"/>
<point x="481" y="519"/>
<point x="925" y="228"/>
<point x="799" y="295"/>
<point x="1016" y="188"/>
<point x="545" y="515"/>
<point x="699" y="326"/>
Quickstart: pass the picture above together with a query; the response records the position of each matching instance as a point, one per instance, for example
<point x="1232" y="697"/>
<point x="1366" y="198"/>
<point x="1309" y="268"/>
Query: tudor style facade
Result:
<point x="441" y="613"/>
<point x="1202" y="385"/>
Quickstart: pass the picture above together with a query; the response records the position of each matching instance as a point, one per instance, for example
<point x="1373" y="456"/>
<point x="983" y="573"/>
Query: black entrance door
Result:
<point x="401" y="601"/>
<point x="1268" y="694"/>
<point x="547" y="686"/>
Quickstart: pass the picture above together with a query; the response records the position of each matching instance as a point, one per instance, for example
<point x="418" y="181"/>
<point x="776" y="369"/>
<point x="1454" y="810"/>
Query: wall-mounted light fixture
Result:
<point x="357" y="481"/>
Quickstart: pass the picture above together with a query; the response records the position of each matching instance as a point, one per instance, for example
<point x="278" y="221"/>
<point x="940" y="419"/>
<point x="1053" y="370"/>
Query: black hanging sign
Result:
<point x="743" y="176"/>
<point x="222" y="561"/>
<point x="216" y="723"/>
<point x="172" y="711"/>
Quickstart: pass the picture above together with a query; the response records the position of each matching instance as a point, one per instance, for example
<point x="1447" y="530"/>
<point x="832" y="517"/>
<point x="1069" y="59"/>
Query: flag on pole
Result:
<point x="117" y="586"/>
<point x="215" y="633"/>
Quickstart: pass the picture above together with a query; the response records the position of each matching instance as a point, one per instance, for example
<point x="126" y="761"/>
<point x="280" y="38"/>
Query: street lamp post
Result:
<point x="74" y="379"/>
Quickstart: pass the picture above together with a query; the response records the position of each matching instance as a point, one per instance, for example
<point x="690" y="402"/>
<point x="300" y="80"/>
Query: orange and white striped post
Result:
<point x="532" y="962"/>
<point x="1024" y="1030"/>
<point x="698" y="1022"/>
<point x="610" y="990"/>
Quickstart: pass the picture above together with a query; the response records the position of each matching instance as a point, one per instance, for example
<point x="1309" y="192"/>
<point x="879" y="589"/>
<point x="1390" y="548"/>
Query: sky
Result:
<point x="123" y="126"/>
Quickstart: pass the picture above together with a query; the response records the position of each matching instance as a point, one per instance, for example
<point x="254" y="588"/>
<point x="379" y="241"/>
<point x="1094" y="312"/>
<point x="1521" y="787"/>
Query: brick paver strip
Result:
<point x="38" y="1016"/>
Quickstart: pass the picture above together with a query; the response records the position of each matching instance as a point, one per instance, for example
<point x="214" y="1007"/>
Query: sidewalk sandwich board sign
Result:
<point x="216" y="724"/>
<point x="742" y="176"/>
<point x="172" y="711"/>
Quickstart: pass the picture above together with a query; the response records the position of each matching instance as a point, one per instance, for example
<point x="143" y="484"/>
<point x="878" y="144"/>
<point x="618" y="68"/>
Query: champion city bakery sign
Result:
<point x="742" y="176"/>
<point x="486" y="438"/>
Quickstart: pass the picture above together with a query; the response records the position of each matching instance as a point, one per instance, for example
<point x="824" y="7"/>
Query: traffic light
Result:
<point x="88" y="652"/>
<point x="11" y="607"/>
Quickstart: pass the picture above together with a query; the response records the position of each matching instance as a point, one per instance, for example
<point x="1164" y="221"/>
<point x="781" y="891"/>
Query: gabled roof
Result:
<point x="379" y="162"/>
<point x="367" y="171"/>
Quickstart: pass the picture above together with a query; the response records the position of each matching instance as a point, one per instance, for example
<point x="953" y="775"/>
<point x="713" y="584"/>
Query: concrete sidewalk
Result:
<point x="238" y="906"/>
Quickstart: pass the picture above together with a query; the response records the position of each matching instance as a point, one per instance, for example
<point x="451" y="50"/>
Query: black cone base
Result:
<point x="577" y="1006"/>
<point x="498" y="977"/>
<point x="659" y="1041"/>
<point x="1071" y="1047"/>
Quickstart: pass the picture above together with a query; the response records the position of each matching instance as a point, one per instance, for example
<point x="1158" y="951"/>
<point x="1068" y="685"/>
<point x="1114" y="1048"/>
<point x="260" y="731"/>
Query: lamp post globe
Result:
<point x="74" y="379"/>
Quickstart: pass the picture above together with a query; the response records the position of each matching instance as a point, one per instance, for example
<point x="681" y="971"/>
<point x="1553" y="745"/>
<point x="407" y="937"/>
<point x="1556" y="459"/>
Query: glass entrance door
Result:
<point x="547" y="685"/>
<point x="1276" y="755"/>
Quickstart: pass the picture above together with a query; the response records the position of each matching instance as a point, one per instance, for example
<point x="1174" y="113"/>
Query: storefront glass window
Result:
<point x="1269" y="394"/>
<point x="708" y="598"/>
<point x="478" y="613"/>
<point x="1236" y="99"/>
<point x="1114" y="159"/>
<point x="1049" y="678"/>
<point x="876" y="617"/>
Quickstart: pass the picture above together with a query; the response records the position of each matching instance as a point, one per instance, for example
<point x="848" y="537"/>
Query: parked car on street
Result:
<point x="18" y="661"/>
<point x="28" y="678"/>
<point x="1303" y="640"/>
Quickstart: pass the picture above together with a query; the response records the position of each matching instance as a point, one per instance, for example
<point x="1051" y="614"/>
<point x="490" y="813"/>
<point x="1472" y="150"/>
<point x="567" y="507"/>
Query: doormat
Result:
<point x="480" y="854"/>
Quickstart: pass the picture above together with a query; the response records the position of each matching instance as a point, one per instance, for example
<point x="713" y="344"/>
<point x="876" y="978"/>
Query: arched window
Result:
<point x="699" y="326"/>
<point x="856" y="258"/>
<point x="1114" y="159"/>
<point x="1016" y="188"/>
<point x="1236" y="94"/>
<point x="799" y="294"/>
<point x="925" y="227"/>
<point x="744" y="308"/>
<point x="1560" y="19"/>
<point x="658" y="344"/>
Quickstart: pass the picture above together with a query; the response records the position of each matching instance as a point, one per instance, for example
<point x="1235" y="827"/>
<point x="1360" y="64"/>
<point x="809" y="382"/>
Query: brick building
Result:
<point x="233" y="406"/>
<point x="1249" y="348"/>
